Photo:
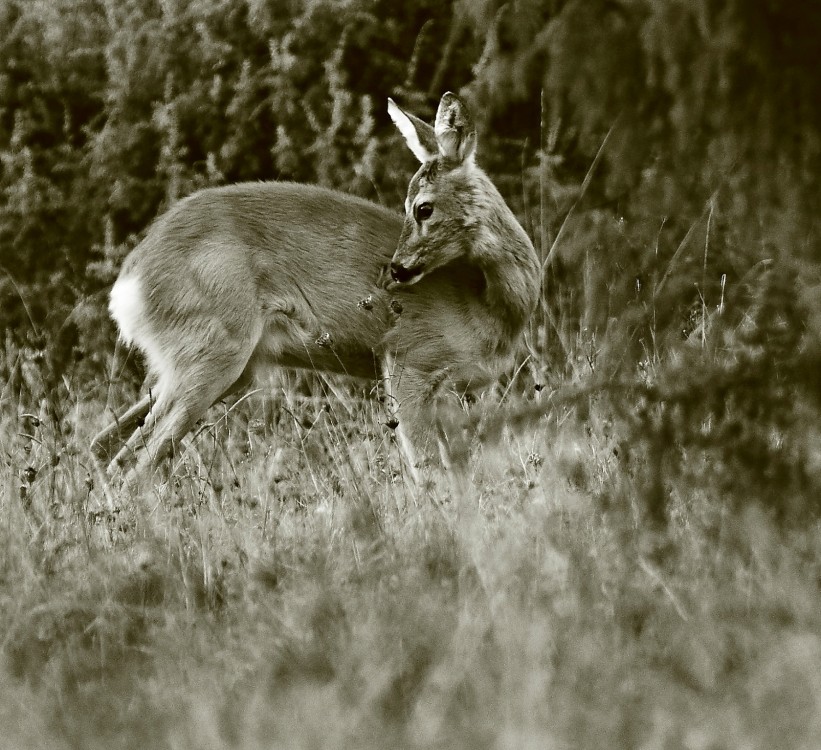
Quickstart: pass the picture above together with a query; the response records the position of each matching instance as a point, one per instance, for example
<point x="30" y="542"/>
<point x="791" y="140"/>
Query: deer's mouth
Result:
<point x="405" y="275"/>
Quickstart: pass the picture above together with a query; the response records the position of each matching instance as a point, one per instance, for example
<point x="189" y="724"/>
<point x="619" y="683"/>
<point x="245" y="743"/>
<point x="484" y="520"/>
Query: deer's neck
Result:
<point x="506" y="256"/>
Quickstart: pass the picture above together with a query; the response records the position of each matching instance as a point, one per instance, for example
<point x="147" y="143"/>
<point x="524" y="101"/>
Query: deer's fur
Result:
<point x="233" y="280"/>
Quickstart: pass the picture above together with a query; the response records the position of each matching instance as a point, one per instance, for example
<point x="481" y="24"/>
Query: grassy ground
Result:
<point x="286" y="589"/>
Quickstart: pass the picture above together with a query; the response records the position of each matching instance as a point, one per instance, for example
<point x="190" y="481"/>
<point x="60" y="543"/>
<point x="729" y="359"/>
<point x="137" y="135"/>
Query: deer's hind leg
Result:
<point x="181" y="407"/>
<point x="200" y="365"/>
<point x="107" y="440"/>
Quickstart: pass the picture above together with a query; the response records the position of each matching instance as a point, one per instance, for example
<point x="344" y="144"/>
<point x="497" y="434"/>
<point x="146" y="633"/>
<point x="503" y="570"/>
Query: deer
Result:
<point x="235" y="280"/>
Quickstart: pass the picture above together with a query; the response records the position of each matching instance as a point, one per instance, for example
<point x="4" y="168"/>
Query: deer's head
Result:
<point x="445" y="195"/>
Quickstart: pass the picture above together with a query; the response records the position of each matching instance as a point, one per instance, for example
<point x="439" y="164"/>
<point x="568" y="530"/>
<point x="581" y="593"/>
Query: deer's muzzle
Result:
<point x="402" y="275"/>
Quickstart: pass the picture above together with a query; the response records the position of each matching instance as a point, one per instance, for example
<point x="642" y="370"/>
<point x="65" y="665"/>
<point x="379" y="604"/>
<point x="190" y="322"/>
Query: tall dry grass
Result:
<point x="282" y="586"/>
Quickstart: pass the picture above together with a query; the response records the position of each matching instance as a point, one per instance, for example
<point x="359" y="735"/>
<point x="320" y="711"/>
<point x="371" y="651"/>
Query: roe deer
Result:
<point x="233" y="279"/>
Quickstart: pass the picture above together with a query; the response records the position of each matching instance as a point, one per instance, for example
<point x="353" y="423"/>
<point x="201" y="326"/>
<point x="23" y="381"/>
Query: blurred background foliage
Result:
<point x="664" y="156"/>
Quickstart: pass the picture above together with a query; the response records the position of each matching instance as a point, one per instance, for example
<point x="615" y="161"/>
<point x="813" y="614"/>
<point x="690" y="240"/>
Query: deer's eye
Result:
<point x="423" y="212"/>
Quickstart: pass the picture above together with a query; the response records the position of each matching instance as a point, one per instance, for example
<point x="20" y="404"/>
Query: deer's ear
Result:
<point x="419" y="136"/>
<point x="455" y="131"/>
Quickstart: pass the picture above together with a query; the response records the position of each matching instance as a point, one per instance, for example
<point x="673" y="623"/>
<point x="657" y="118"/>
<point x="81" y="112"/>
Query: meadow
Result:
<point x="635" y="560"/>
<point x="283" y="585"/>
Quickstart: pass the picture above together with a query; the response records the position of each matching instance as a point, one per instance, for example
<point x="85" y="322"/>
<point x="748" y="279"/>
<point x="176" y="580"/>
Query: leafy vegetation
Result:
<point x="636" y="563"/>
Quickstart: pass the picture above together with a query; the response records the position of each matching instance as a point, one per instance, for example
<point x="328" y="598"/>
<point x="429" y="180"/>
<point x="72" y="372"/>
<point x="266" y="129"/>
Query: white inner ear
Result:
<point x="448" y="140"/>
<point x="406" y="127"/>
<point x="468" y="148"/>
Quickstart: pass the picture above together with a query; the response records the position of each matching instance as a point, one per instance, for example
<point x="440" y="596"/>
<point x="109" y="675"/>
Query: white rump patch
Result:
<point x="126" y="306"/>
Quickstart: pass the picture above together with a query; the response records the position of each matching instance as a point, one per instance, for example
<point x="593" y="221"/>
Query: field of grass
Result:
<point x="286" y="588"/>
